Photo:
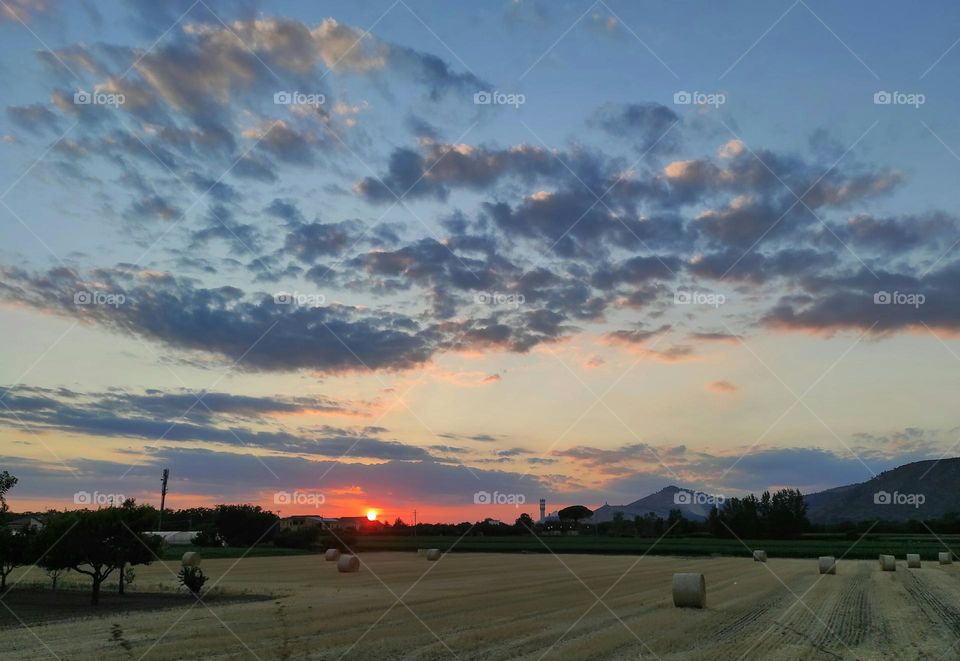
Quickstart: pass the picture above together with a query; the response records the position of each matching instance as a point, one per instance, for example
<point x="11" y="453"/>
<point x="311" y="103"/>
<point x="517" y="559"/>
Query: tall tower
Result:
<point x="163" y="496"/>
<point x="543" y="509"/>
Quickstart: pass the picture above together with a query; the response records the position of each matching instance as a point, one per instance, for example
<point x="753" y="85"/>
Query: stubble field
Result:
<point x="525" y="606"/>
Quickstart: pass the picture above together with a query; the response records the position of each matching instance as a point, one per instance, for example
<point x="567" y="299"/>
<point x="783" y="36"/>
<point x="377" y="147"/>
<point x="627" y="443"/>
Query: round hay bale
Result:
<point x="759" y="556"/>
<point x="190" y="559"/>
<point x="433" y="554"/>
<point x="913" y="561"/>
<point x="945" y="558"/>
<point x="888" y="563"/>
<point x="348" y="564"/>
<point x="828" y="564"/>
<point x="332" y="555"/>
<point x="689" y="591"/>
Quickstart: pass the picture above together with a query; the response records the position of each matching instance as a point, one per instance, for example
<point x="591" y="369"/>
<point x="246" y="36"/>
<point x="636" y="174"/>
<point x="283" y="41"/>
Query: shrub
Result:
<point x="302" y="538"/>
<point x="192" y="578"/>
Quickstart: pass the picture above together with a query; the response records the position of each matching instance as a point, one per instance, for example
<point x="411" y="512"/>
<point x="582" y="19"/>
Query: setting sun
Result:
<point x="372" y="515"/>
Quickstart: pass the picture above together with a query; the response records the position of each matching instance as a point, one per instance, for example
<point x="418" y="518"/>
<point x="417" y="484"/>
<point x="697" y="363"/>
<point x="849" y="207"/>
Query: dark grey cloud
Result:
<point x="438" y="168"/>
<point x="892" y="235"/>
<point x="251" y="166"/>
<point x="650" y="126"/>
<point x="310" y="241"/>
<point x="35" y="118"/>
<point x="153" y="207"/>
<point x="881" y="302"/>
<point x="222" y="321"/>
<point x="180" y="417"/>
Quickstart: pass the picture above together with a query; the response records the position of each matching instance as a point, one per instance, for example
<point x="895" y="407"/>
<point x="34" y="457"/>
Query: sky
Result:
<point x="455" y="258"/>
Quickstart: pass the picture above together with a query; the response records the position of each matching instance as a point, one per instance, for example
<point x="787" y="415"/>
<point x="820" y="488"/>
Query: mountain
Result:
<point x="695" y="506"/>
<point x="920" y="490"/>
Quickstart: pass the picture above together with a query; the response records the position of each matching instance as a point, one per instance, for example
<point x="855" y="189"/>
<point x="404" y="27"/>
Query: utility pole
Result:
<point x="414" y="523"/>
<point x="163" y="496"/>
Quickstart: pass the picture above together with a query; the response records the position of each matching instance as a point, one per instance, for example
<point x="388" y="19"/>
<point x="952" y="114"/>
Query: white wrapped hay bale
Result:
<point x="332" y="555"/>
<point x="433" y="554"/>
<point x="945" y="558"/>
<point x="759" y="556"/>
<point x="888" y="563"/>
<point x="913" y="561"/>
<point x="828" y="564"/>
<point x="190" y="559"/>
<point x="348" y="564"/>
<point x="689" y="590"/>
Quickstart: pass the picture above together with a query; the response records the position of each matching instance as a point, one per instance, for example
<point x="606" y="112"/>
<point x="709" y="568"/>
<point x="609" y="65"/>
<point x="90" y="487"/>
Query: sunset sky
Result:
<point x="392" y="254"/>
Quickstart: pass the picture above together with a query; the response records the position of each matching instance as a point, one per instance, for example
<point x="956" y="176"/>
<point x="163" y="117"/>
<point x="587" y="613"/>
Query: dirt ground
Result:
<point x="486" y="606"/>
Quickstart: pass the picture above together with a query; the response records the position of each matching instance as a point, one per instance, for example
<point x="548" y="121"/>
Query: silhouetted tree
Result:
<point x="95" y="543"/>
<point x="15" y="550"/>
<point x="575" y="513"/>
<point x="244" y="525"/>
<point x="524" y="523"/>
<point x="7" y="482"/>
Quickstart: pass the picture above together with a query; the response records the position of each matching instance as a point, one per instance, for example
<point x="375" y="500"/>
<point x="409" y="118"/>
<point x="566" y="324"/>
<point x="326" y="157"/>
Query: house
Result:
<point x="355" y="522"/>
<point x="326" y="523"/>
<point x="300" y="522"/>
<point x="27" y="523"/>
<point x="176" y="537"/>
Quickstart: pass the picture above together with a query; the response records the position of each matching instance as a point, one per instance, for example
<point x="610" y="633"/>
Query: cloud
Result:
<point x="881" y="302"/>
<point x="267" y="335"/>
<point x="25" y="11"/>
<point x="650" y="126"/>
<point x="179" y="417"/>
<point x="227" y="476"/>
<point x="721" y="387"/>
<point x="440" y="167"/>
<point x="35" y="118"/>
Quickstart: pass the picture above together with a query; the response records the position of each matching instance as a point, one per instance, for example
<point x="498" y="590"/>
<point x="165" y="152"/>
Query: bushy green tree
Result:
<point x="244" y="525"/>
<point x="303" y="537"/>
<point x="574" y="513"/>
<point x="7" y="482"/>
<point x="16" y="549"/>
<point x="524" y="523"/>
<point x="97" y="542"/>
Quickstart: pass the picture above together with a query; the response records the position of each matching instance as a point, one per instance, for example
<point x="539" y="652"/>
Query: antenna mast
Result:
<point x="163" y="496"/>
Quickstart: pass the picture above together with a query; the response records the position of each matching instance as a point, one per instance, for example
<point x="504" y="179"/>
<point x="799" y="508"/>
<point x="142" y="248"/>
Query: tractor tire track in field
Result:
<point x="800" y="631"/>
<point x="757" y="626"/>
<point x="933" y="607"/>
<point x="850" y="621"/>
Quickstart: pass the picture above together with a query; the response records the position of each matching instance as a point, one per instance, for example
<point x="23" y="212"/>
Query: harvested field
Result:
<point x="479" y="606"/>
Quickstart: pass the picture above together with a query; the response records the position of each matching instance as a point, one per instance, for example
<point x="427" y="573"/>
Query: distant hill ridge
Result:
<point x="695" y="505"/>
<point x="919" y="490"/>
